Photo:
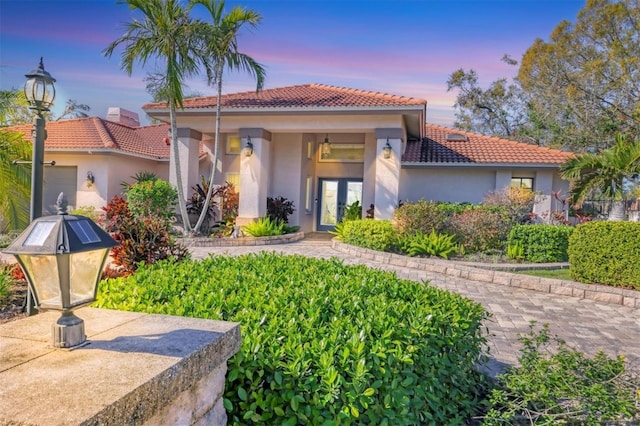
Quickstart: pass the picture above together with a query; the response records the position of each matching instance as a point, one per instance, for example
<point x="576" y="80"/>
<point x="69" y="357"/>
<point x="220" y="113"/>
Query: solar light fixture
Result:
<point x="62" y="257"/>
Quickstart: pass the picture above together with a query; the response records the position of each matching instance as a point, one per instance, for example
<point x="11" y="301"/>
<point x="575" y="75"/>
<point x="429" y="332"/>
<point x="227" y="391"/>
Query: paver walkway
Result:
<point x="584" y="324"/>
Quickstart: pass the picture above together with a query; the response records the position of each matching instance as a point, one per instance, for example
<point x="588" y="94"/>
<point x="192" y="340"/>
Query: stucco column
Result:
<point x="254" y="176"/>
<point x="387" y="180"/>
<point x="188" y="152"/>
<point x="543" y="187"/>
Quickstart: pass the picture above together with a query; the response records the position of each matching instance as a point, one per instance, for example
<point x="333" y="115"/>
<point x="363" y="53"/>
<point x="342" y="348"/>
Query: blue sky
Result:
<point x="401" y="47"/>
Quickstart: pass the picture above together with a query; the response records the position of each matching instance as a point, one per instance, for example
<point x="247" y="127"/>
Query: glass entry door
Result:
<point x="334" y="196"/>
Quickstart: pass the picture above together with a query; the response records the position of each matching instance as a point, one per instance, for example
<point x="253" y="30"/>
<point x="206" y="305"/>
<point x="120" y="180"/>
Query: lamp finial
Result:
<point x="62" y="203"/>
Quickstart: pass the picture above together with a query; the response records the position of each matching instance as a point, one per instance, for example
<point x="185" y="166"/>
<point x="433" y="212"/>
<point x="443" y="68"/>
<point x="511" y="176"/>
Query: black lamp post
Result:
<point x="62" y="257"/>
<point x="40" y="93"/>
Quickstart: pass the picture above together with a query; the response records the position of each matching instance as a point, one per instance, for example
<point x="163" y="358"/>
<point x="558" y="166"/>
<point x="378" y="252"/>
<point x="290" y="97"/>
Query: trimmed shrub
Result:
<point x="422" y="216"/>
<point x="324" y="343"/>
<point x="478" y="230"/>
<point x="153" y="198"/>
<point x="606" y="253"/>
<point x="541" y="243"/>
<point x="372" y="234"/>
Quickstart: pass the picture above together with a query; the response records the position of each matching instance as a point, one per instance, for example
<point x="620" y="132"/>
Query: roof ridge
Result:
<point x="364" y="92"/>
<point x="105" y="135"/>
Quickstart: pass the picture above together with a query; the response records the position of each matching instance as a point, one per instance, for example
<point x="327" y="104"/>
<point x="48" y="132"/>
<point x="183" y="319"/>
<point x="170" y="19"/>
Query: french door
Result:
<point x="334" y="195"/>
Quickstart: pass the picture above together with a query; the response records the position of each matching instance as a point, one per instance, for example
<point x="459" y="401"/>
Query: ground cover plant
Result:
<point x="324" y="343"/>
<point x="555" y="384"/>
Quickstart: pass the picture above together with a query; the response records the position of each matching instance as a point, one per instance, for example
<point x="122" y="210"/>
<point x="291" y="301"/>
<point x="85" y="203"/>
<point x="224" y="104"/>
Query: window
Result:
<point x="343" y="153"/>
<point x="234" y="145"/>
<point x="234" y="179"/>
<point x="522" y="182"/>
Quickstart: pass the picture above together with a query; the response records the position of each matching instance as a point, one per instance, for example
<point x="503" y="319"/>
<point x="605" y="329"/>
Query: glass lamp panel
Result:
<point x="84" y="272"/>
<point x="43" y="275"/>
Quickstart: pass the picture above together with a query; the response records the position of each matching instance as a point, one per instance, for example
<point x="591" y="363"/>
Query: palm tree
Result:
<point x="607" y="172"/>
<point x="166" y="33"/>
<point x="15" y="181"/>
<point x="220" y="52"/>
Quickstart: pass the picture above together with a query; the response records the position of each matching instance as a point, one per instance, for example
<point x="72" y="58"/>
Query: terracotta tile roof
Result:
<point x="311" y="96"/>
<point x="93" y="133"/>
<point x="437" y="147"/>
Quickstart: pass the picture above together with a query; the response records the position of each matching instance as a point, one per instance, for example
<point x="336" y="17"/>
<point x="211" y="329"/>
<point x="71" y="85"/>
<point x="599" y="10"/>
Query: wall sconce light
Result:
<point x="387" y="150"/>
<point x="325" y="150"/>
<point x="90" y="178"/>
<point x="62" y="257"/>
<point x="247" y="151"/>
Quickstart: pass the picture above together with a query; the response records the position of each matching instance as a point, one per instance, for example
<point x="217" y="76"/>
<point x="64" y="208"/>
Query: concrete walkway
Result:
<point x="584" y="324"/>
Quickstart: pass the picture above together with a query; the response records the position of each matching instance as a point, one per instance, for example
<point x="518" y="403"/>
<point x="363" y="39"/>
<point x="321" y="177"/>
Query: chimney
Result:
<point x="123" y="116"/>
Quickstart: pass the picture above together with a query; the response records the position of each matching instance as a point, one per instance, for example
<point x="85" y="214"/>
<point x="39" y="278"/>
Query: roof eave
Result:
<point x="479" y="164"/>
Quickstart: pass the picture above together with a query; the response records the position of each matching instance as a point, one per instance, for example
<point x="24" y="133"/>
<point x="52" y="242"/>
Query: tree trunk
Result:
<point x="617" y="212"/>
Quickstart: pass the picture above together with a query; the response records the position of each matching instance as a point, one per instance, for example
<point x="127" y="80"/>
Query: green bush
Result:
<point x="606" y="253"/>
<point x="265" y="227"/>
<point x="440" y="245"/>
<point x="541" y="243"/>
<point x="279" y="209"/>
<point x="87" y="211"/>
<point x="142" y="239"/>
<point x="421" y="216"/>
<point x="555" y="384"/>
<point x="153" y="198"/>
<point x="479" y="229"/>
<point x="372" y="234"/>
<point x="324" y="343"/>
<point x="6" y="281"/>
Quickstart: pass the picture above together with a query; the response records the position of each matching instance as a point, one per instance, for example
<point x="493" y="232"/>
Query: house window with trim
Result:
<point x="234" y="145"/>
<point x="522" y="182"/>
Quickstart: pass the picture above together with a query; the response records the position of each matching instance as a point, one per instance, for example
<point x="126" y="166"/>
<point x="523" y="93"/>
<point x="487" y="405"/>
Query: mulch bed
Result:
<point x="12" y="308"/>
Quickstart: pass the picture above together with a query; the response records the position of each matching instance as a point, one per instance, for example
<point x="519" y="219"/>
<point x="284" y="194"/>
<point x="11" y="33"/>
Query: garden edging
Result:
<point x="241" y="241"/>
<point x="596" y="292"/>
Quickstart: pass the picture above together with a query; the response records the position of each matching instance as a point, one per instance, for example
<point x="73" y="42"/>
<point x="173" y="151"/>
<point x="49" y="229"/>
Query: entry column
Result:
<point x="387" y="182"/>
<point x="254" y="175"/>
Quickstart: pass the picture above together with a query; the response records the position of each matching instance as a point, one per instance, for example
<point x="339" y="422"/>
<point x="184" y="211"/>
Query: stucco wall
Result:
<point x="451" y="185"/>
<point x="286" y="178"/>
<point x="109" y="171"/>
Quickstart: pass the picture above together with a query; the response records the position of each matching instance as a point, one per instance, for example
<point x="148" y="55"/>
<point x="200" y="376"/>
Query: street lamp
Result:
<point x="40" y="93"/>
<point x="62" y="257"/>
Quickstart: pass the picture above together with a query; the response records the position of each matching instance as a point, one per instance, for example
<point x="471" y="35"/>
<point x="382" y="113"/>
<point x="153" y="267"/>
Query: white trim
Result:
<point x="415" y="164"/>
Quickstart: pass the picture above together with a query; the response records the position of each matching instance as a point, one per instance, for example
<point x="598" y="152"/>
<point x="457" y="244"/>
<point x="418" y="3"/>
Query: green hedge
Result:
<point x="541" y="243"/>
<point x="372" y="234"/>
<point x="606" y="253"/>
<point x="324" y="343"/>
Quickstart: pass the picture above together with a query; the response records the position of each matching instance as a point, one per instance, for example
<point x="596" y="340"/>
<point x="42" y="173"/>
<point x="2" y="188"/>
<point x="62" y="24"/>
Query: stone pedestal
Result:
<point x="137" y="369"/>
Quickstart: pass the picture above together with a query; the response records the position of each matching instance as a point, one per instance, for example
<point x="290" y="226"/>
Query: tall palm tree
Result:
<point x="15" y="181"/>
<point x="607" y="172"/>
<point x="166" y="34"/>
<point x="220" y="52"/>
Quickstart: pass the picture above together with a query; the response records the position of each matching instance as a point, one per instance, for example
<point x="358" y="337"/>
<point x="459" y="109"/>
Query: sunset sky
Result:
<point x="401" y="47"/>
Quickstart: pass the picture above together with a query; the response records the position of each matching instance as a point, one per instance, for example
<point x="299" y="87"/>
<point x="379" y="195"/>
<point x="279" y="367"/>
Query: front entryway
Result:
<point x="334" y="195"/>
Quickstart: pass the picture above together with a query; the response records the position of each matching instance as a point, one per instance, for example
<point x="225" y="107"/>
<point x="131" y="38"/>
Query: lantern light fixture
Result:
<point x="39" y="89"/>
<point x="248" y="148"/>
<point x="62" y="257"/>
<point x="387" y="150"/>
<point x="325" y="150"/>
